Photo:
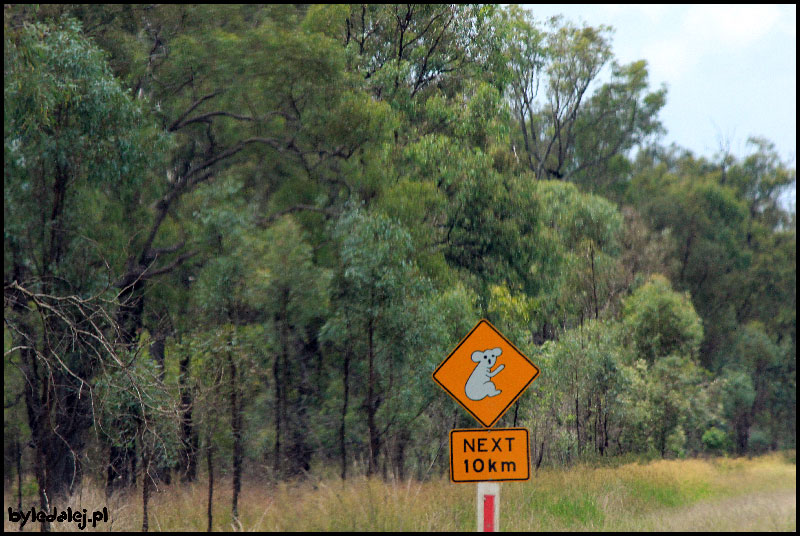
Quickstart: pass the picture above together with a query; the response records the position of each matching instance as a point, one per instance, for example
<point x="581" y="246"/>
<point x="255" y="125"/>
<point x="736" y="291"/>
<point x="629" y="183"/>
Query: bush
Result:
<point x="714" y="440"/>
<point x="676" y="443"/>
<point x="660" y="321"/>
<point x="759" y="441"/>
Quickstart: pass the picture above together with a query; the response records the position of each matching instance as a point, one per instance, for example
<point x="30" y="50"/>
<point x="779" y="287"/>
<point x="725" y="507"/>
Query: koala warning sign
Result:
<point x="485" y="373"/>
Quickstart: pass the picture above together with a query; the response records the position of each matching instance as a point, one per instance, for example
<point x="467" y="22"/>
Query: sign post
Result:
<point x="488" y="506"/>
<point x="486" y="374"/>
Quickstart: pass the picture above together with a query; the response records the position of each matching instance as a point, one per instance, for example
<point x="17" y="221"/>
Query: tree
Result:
<point x="401" y="50"/>
<point x="735" y="260"/>
<point x="584" y="363"/>
<point x="577" y="250"/>
<point x="661" y="322"/>
<point x="756" y="391"/>
<point x="77" y="154"/>
<point x="294" y="294"/>
<point x="383" y="311"/>
<point x="738" y="398"/>
<point x="223" y="116"/>
<point x="568" y="134"/>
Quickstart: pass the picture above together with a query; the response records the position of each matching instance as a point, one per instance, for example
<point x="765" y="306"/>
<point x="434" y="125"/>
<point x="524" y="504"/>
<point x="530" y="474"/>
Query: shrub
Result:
<point x="714" y="440"/>
<point x="759" y="441"/>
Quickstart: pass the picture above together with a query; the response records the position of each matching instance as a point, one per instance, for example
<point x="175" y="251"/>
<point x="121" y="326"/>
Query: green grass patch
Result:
<point x="581" y="511"/>
<point x="668" y="494"/>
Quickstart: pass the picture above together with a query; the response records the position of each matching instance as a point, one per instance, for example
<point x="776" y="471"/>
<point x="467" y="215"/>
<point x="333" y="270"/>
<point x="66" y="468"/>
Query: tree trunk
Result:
<point x="163" y="472"/>
<point x="157" y="352"/>
<point x="742" y="430"/>
<point x="279" y="374"/>
<point x="210" y="463"/>
<point x="400" y="455"/>
<point x="276" y="461"/>
<point x="36" y="413"/>
<point x="132" y="458"/>
<point x="18" y="457"/>
<point x="346" y="397"/>
<point x="601" y="436"/>
<point x="189" y="439"/>
<point x="57" y="418"/>
<point x="594" y="284"/>
<point x="539" y="460"/>
<point x="145" y="490"/>
<point x="44" y="504"/>
<point x="587" y="425"/>
<point x="374" y="440"/>
<point x="236" y="428"/>
<point x="577" y="421"/>
<point x="299" y="376"/>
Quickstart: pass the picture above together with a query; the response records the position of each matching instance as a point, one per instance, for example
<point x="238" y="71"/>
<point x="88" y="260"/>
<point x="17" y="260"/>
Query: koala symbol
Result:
<point x="479" y="385"/>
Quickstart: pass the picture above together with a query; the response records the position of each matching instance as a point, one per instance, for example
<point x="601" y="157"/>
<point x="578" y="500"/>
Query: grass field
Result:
<point x="722" y="494"/>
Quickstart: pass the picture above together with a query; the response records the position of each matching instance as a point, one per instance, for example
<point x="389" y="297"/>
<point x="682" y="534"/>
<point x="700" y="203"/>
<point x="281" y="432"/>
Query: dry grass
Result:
<point x="675" y="495"/>
<point x="756" y="512"/>
<point x="680" y="495"/>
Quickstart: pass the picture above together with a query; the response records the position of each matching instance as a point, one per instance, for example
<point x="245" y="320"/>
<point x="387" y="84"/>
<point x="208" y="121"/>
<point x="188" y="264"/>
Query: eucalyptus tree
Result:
<point x="401" y="50"/>
<point x="293" y="293"/>
<point x="568" y="130"/>
<point x="760" y="379"/>
<point x="79" y="152"/>
<point x="732" y="253"/>
<point x="383" y="310"/>
<point x="662" y="393"/>
<point x="581" y="233"/>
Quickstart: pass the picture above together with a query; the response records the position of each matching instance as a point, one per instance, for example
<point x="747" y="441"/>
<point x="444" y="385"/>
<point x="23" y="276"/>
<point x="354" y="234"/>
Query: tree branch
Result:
<point x="175" y="124"/>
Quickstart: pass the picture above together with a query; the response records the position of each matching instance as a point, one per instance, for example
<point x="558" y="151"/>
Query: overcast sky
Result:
<point x="730" y="70"/>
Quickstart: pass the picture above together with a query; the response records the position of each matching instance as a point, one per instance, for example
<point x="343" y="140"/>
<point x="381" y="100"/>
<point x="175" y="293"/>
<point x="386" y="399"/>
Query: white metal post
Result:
<point x="488" y="500"/>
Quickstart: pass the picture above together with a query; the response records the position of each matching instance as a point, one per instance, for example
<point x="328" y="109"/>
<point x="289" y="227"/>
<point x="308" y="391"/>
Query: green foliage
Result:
<point x="565" y="132"/>
<point x="658" y="401"/>
<point x="77" y="150"/>
<point x="759" y="441"/>
<point x="380" y="289"/>
<point x="134" y="406"/>
<point x="739" y="394"/>
<point x="660" y="322"/>
<point x="675" y="444"/>
<point x="715" y="440"/>
<point x="577" y="248"/>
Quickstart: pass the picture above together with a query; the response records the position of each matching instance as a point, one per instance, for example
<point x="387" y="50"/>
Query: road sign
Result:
<point x="489" y="455"/>
<point x="485" y="373"/>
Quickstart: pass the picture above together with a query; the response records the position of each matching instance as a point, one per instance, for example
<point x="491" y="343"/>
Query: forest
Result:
<point x="239" y="239"/>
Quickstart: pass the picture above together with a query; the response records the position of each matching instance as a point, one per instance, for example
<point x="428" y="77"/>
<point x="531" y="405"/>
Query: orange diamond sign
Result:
<point x="485" y="373"/>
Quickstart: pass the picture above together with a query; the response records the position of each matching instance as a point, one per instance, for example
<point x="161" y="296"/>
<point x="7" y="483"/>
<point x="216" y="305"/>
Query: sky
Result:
<point x="730" y="70"/>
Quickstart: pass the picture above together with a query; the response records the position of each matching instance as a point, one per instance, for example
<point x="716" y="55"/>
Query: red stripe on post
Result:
<point x="488" y="513"/>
